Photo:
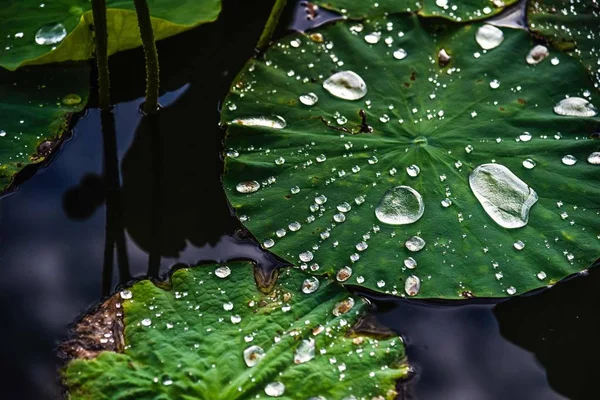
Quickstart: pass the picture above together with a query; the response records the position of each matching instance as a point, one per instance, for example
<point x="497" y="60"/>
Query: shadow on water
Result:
<point x="174" y="212"/>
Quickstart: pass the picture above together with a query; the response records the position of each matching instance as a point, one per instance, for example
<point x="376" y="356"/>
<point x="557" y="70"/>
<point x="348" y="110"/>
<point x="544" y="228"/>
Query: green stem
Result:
<point x="267" y="33"/>
<point x="152" y="72"/>
<point x="101" y="42"/>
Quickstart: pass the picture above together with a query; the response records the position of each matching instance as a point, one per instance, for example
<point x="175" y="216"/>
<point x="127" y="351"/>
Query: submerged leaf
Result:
<point x="35" y="32"/>
<point x="36" y="104"/>
<point x="213" y="335"/>
<point x="450" y="179"/>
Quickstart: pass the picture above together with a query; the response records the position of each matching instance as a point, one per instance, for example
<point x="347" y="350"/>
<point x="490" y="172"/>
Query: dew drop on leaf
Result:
<point x="252" y="355"/>
<point x="575" y="107"/>
<point x="400" y="205"/>
<point x="529" y="163"/>
<point x="413" y="170"/>
<point x="310" y="285"/>
<point x="305" y="352"/>
<point x="537" y="54"/>
<point x="275" y="122"/>
<point x="346" y="85"/>
<point x="594" y="158"/>
<point x="223" y="272"/>
<point x="410" y="263"/>
<point x="415" y="243"/>
<point x="569" y="160"/>
<point x="50" y="34"/>
<point x="343" y="307"/>
<point x="412" y="285"/>
<point x="309" y="99"/>
<point x="489" y="37"/>
<point x="344" y="274"/>
<point x="400" y="54"/>
<point x="519" y="245"/>
<point x="247" y="187"/>
<point x="275" y="389"/>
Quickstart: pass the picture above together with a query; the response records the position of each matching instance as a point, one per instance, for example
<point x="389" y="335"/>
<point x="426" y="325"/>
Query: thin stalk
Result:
<point x="267" y="33"/>
<point x="101" y="42"/>
<point x="151" y="55"/>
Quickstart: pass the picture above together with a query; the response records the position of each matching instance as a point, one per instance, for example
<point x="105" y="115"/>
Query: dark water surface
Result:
<point x="52" y="236"/>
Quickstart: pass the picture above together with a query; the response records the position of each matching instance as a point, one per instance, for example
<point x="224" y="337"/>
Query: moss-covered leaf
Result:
<point x="213" y="335"/>
<point x="572" y="26"/>
<point x="36" y="104"/>
<point x="35" y="32"/>
<point x="458" y="10"/>
<point x="510" y="199"/>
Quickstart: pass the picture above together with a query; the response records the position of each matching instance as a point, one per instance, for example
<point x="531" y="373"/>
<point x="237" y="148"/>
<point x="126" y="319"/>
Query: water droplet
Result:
<point x="511" y="290"/>
<point x="469" y="149"/>
<point x="373" y="37"/>
<point x="50" y="34"/>
<point x="280" y="233"/>
<point x="415" y="243"/>
<point x="541" y="275"/>
<point x="233" y="153"/>
<point x="504" y="197"/>
<point x="412" y="285"/>
<point x="268" y="243"/>
<point x="344" y="207"/>
<point x="554" y="61"/>
<point x="489" y="37"/>
<point x="537" y="54"/>
<point x="575" y="107"/>
<point x="373" y="160"/>
<point x="525" y="137"/>
<point x="252" y="355"/>
<point x="529" y="163"/>
<point x="310" y="285"/>
<point x="400" y="206"/>
<point x="294" y="226"/>
<point x="441" y="3"/>
<point x="443" y="58"/>
<point x="446" y="203"/>
<point x="2" y="133"/>
<point x="305" y="352"/>
<point x="126" y="294"/>
<point x="309" y="99"/>
<point x="279" y="160"/>
<point x="346" y="85"/>
<point x="276" y="122"/>
<point x="594" y="158"/>
<point x="361" y="246"/>
<point x="360" y="279"/>
<point x="223" y="272"/>
<point x="275" y="389"/>
<point x="146" y="322"/>
<point x="295" y="190"/>
<point x="247" y="187"/>
<point x="339" y="217"/>
<point x="519" y="245"/>
<point x="321" y="158"/>
<point x="344" y="274"/>
<point x="569" y="160"/>
<point x="359" y="200"/>
<point x="343" y="306"/>
<point x="228" y="306"/>
<point x="321" y="199"/>
<point x="400" y="54"/>
<point x="306" y="256"/>
<point x="495" y="84"/>
<point x="413" y="170"/>
<point x="380" y="283"/>
<point x="410" y="263"/>
<point x="384" y="118"/>
<point x="236" y="319"/>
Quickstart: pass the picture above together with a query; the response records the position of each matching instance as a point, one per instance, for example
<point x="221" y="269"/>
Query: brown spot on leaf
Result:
<point x="521" y="101"/>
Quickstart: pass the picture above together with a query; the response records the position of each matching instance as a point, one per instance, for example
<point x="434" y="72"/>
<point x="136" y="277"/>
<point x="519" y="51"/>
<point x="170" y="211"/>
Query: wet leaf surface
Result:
<point x="213" y="335"/>
<point x="60" y="31"/>
<point x="464" y="173"/>
<point x="571" y="26"/>
<point x="35" y="110"/>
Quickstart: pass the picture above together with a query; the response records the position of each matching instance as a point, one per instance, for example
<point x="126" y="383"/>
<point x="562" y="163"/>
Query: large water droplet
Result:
<point x="343" y="307"/>
<point x="594" y="158"/>
<point x="412" y="285"/>
<point x="489" y="37"/>
<point x="223" y="272"/>
<point x="247" y="187"/>
<point x="569" y="160"/>
<point x="306" y="256"/>
<point x="575" y="107"/>
<point x="50" y="34"/>
<point x="415" y="243"/>
<point x="275" y="122"/>
<point x="346" y="85"/>
<point x="305" y="352"/>
<point x="275" y="389"/>
<point x="252" y="355"/>
<point x="400" y="54"/>
<point x="309" y="99"/>
<point x="537" y="54"/>
<point x="310" y="285"/>
<point x="400" y="206"/>
<point x="504" y="197"/>
<point x="344" y="274"/>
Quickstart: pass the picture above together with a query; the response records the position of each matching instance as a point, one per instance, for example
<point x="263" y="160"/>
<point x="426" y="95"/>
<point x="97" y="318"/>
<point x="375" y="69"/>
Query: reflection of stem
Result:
<point x="267" y="33"/>
<point x="115" y="234"/>
<point x="101" y="41"/>
<point x="156" y="148"/>
<point x="147" y="35"/>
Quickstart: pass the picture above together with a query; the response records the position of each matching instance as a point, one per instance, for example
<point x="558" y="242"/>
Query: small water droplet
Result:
<point x="228" y="306"/>
<point x="399" y="206"/>
<point x="569" y="160"/>
<point x="146" y="322"/>
<point x="247" y="187"/>
<point x="446" y="203"/>
<point x="126" y="294"/>
<point x="519" y="245"/>
<point x="294" y="226"/>
<point x="309" y="99"/>
<point x="594" y="158"/>
<point x="50" y="34"/>
<point x="306" y="256"/>
<point x="233" y="153"/>
<point x="380" y="283"/>
<point x="384" y="118"/>
<point x="372" y="160"/>
<point x="346" y="85"/>
<point x="275" y="389"/>
<point x="344" y="207"/>
<point x="339" y="217"/>
<point x="469" y="149"/>
<point x="343" y="306"/>
<point x="400" y="54"/>
<point x="575" y="107"/>
<point x="305" y="352"/>
<point x="310" y="285"/>
<point x="413" y="170"/>
<point x="321" y="199"/>
<point x="344" y="274"/>
<point x="252" y="355"/>
<point x="554" y="61"/>
<point x="268" y="243"/>
<point x="541" y="275"/>
<point x="295" y="190"/>
<point x="236" y="319"/>
<point x="321" y="158"/>
<point x="373" y="37"/>
<point x="410" y="263"/>
<point x="2" y="133"/>
<point x="412" y="285"/>
<point x="537" y="54"/>
<point x="525" y="137"/>
<point x="511" y="290"/>
<point x="529" y="163"/>
<point x="489" y="37"/>
<point x="495" y="84"/>
<point x="280" y="233"/>
<point x="361" y="246"/>
<point x="223" y="272"/>
<point x="279" y="160"/>
<point x="415" y="243"/>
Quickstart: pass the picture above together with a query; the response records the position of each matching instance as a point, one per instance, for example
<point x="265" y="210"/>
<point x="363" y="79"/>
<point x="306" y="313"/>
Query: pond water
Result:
<point x="52" y="241"/>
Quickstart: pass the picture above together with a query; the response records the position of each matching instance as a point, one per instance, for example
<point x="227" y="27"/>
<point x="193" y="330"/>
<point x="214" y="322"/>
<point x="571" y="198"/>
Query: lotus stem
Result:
<point x="265" y="37"/>
<point x="151" y="55"/>
<point x="101" y="43"/>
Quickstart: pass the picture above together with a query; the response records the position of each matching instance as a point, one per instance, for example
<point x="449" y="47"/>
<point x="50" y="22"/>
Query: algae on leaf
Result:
<point x="36" y="104"/>
<point x="572" y="26"/>
<point x="460" y="169"/>
<point x="457" y="10"/>
<point x="213" y="335"/>
<point x="61" y="31"/>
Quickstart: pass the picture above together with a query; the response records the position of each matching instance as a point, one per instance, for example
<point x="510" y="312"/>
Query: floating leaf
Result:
<point x="458" y="10"/>
<point x="35" y="108"/>
<point x="456" y="174"/>
<point x="213" y="335"/>
<point x="573" y="26"/>
<point x="60" y="31"/>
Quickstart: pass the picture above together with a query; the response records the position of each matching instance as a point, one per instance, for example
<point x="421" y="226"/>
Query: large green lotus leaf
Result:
<point x="573" y="26"/>
<point x="36" y="104"/>
<point x="458" y="10"/>
<point x="25" y="23"/>
<point x="483" y="107"/>
<point x="188" y="342"/>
